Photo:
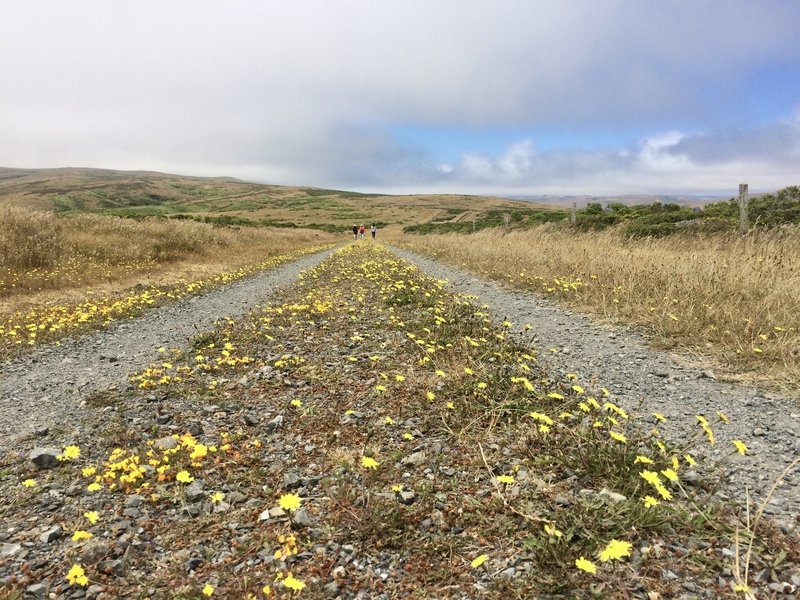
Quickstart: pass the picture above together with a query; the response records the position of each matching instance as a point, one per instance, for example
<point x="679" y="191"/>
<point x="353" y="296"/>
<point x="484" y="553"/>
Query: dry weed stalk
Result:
<point x="742" y="578"/>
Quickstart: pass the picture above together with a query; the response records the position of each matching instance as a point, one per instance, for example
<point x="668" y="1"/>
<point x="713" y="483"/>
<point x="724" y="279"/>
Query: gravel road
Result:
<point x="45" y="388"/>
<point x="636" y="374"/>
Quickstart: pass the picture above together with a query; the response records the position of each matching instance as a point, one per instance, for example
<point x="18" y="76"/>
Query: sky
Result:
<point x="511" y="97"/>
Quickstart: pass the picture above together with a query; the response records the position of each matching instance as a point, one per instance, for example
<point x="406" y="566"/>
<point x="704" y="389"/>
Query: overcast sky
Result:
<point x="469" y="96"/>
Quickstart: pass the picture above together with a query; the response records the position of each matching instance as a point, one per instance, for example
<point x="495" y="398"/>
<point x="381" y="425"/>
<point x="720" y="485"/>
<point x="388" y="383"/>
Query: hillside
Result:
<point x="230" y="201"/>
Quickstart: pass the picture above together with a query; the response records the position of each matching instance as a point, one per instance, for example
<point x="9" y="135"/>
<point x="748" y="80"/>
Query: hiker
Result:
<point x="373" y="230"/>
<point x="355" y="231"/>
<point x="362" y="231"/>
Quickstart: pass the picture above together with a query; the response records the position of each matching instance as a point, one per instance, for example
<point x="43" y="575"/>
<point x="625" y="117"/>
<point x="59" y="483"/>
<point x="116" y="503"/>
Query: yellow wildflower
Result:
<point x="293" y="583"/>
<point x="76" y="575"/>
<point x="586" y="565"/>
<point x="615" y="550"/>
<point x="369" y="463"/>
<point x="479" y="560"/>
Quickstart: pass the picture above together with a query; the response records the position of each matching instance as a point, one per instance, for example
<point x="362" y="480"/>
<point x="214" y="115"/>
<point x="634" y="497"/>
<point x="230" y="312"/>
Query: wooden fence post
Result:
<point x="573" y="215"/>
<point x="744" y="218"/>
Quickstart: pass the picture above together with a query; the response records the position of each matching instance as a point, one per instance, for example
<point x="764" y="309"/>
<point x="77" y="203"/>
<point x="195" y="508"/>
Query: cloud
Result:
<point x="307" y="92"/>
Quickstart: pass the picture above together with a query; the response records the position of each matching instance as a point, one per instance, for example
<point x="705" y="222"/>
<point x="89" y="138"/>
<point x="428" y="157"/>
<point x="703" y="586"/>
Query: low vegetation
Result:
<point x="370" y="433"/>
<point x="720" y="295"/>
<point x="42" y="251"/>
<point x="642" y="220"/>
<point x="64" y="275"/>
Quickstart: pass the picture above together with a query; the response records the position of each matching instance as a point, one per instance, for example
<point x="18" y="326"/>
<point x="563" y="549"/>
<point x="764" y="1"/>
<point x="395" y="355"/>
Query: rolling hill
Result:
<point x="231" y="201"/>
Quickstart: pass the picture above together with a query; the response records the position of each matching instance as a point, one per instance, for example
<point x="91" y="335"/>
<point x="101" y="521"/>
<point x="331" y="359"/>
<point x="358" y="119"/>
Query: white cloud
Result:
<point x="304" y="92"/>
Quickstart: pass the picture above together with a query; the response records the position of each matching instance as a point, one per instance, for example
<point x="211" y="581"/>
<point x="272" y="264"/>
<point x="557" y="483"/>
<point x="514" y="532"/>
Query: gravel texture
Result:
<point x="644" y="381"/>
<point x="170" y="540"/>
<point x="44" y="389"/>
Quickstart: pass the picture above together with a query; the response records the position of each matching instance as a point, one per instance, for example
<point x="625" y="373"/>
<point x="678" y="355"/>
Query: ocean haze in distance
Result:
<point x="514" y="98"/>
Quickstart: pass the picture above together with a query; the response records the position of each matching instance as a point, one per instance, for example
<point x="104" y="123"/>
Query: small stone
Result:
<point x="331" y="590"/>
<point x="613" y="496"/>
<point x="407" y="497"/>
<point x="166" y="443"/>
<point x="76" y="489"/>
<point x="134" y="501"/>
<point x="759" y="432"/>
<point x="249" y="419"/>
<point x="37" y="590"/>
<point x="117" y="567"/>
<point x="275" y="424"/>
<point x="291" y="481"/>
<point x="691" y="477"/>
<point x="50" y="534"/>
<point x="10" y="549"/>
<point x="301" y="518"/>
<point x="93" y="552"/>
<point x="415" y="459"/>
<point x="236" y="497"/>
<point x="45" y="458"/>
<point x="193" y="564"/>
<point x="93" y="591"/>
<point x="191" y="510"/>
<point x="194" y="491"/>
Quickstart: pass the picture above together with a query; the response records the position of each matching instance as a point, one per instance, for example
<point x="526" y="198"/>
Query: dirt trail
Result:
<point x="45" y="389"/>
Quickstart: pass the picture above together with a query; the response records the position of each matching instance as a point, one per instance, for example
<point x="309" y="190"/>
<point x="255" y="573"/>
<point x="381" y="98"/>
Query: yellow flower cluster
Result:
<point x="52" y="322"/>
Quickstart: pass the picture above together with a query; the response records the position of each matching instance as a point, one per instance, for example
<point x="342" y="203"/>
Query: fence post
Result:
<point x="573" y="215"/>
<point x="744" y="218"/>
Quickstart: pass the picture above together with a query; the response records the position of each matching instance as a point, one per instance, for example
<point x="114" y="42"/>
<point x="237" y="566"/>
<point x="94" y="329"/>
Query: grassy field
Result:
<point x="228" y="201"/>
<point x="42" y="251"/>
<point x="419" y="453"/>
<point x="63" y="275"/>
<point x="720" y="296"/>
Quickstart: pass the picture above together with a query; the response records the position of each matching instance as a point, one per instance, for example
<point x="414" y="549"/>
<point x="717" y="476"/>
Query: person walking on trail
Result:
<point x="355" y="231"/>
<point x="362" y="231"/>
<point x="373" y="230"/>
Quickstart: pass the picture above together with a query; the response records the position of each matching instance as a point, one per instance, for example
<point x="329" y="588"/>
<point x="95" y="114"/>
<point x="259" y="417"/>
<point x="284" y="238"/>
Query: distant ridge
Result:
<point x="630" y="199"/>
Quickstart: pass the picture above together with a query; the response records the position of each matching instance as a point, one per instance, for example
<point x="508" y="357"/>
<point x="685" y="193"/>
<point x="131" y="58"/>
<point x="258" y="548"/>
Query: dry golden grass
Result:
<point x="41" y="252"/>
<point x="731" y="299"/>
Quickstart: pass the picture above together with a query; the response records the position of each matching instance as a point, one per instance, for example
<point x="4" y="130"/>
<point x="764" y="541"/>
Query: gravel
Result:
<point x="644" y="380"/>
<point x="44" y="389"/>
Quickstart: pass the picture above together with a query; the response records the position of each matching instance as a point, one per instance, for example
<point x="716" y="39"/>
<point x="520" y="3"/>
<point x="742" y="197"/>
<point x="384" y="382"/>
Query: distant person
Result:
<point x="355" y="231"/>
<point x="373" y="230"/>
<point x="362" y="230"/>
